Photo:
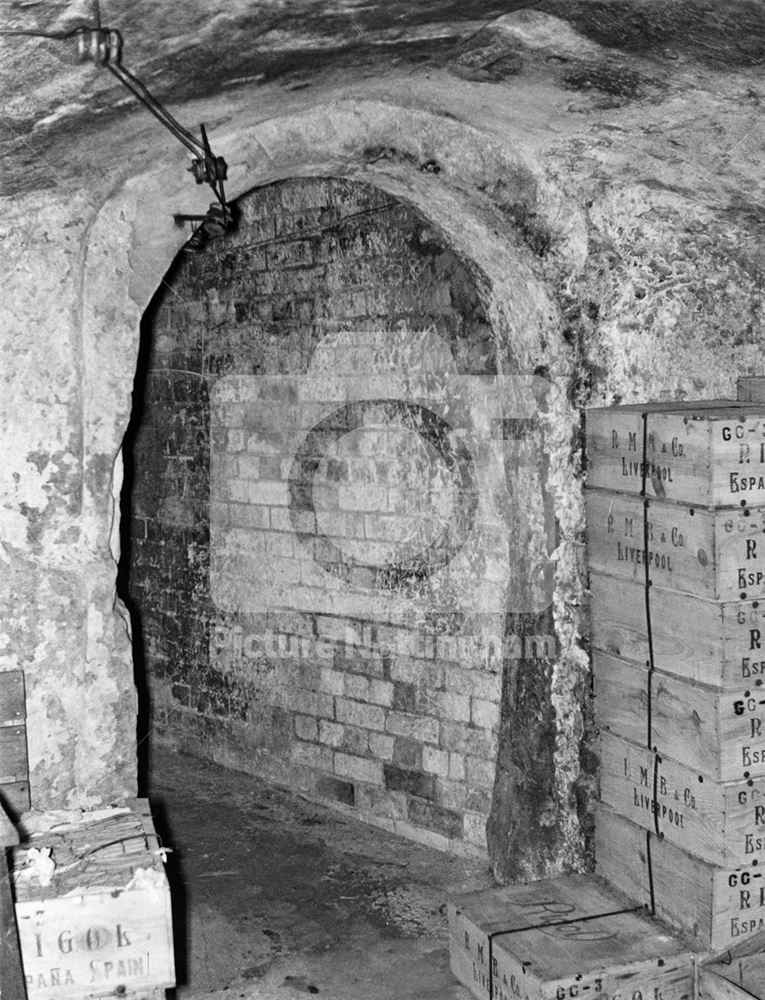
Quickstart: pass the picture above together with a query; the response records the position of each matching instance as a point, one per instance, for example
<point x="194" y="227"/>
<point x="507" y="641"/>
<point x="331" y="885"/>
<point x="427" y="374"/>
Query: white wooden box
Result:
<point x="103" y="926"/>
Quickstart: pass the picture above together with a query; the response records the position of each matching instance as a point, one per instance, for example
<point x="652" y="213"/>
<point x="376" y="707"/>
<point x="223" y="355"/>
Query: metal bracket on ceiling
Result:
<point x="103" y="46"/>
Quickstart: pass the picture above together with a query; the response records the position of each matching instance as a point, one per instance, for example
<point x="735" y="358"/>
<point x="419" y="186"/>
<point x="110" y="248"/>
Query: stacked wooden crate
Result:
<point x="676" y="546"/>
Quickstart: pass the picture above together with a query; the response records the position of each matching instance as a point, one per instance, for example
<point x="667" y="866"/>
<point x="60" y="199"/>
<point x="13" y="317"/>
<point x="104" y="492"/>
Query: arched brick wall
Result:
<point x="393" y="712"/>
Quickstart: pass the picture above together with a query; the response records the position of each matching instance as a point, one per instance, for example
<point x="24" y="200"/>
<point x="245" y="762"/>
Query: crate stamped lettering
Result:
<point x="721" y="822"/>
<point x="94" y="943"/>
<point x="710" y="453"/>
<point x="715" y="554"/>
<point x="721" y="644"/>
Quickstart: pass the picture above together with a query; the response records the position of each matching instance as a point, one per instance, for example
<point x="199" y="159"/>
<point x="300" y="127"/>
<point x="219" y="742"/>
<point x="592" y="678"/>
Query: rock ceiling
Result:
<point x="63" y="118"/>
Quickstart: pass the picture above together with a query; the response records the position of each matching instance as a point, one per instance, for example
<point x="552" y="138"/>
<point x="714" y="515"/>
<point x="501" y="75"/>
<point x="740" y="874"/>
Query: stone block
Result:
<point x="381" y="746"/>
<point x="455" y="707"/>
<point x="381" y="693"/>
<point x="480" y="772"/>
<point x="457" y="767"/>
<point x="407" y="752"/>
<point x="416" y="727"/>
<point x="332" y="681"/>
<point x="358" y="768"/>
<point x="359" y="714"/>
<point x="435" y="761"/>
<point x="312" y="755"/>
<point x="306" y="727"/>
<point x="398" y="779"/>
<point x="331" y="733"/>
<point x="310" y="703"/>
<point x="467" y="740"/>
<point x="477" y="683"/>
<point x="355" y="740"/>
<point x="452" y="794"/>
<point x="357" y="686"/>
<point x="484" y="714"/>
<point x="335" y="789"/>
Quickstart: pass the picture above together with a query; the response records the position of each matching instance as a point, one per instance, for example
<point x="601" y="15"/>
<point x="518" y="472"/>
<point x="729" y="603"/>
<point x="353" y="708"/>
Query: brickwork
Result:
<point x="248" y="626"/>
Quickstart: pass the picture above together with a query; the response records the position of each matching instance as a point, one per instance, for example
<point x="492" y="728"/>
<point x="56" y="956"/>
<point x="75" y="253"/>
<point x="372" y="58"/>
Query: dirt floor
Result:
<point x="277" y="897"/>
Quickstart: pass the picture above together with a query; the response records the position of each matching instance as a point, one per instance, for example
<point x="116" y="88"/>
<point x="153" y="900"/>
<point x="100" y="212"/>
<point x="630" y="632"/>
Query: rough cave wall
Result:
<point x="380" y="694"/>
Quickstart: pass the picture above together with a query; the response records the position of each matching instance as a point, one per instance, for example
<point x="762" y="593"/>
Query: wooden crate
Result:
<point x="720" y="822"/>
<point x="722" y="734"/>
<point x="715" y="907"/>
<point x="706" y="453"/>
<point x="563" y="938"/>
<point x="103" y="926"/>
<point x="715" y="554"/>
<point x="714" y="643"/>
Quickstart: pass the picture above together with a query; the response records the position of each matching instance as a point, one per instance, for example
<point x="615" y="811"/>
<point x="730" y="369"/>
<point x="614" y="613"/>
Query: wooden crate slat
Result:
<point x="717" y="907"/>
<point x="710" y="453"/>
<point x="720" y="733"/>
<point x="715" y="554"/>
<point x="571" y="937"/>
<point x="714" y="643"/>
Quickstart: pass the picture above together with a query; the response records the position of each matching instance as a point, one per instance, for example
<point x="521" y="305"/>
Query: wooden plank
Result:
<point x="709" y="453"/>
<point x="722" y="734"/>
<point x="567" y="936"/>
<point x="721" y="822"/>
<point x="715" y="554"/>
<point x="14" y="761"/>
<point x="12" y="698"/>
<point x="717" y="908"/>
<point x="13" y="755"/>
<point x="714" y="643"/>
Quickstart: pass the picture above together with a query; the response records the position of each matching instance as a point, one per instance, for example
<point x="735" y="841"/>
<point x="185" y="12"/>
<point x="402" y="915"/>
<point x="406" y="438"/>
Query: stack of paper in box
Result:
<point x="676" y="545"/>
<point x="93" y="906"/>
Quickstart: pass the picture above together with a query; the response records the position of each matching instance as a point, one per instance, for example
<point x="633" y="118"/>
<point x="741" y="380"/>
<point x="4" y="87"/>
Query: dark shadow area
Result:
<point x="127" y="529"/>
